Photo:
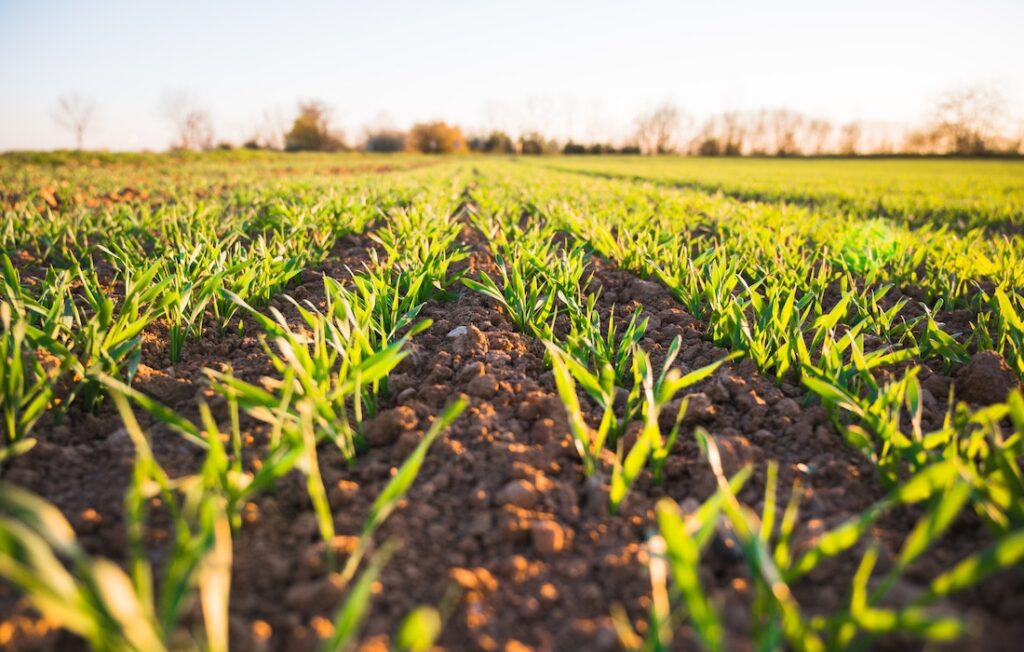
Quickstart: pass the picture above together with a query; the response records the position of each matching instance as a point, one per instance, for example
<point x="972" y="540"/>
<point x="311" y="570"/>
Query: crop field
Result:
<point x="259" y="401"/>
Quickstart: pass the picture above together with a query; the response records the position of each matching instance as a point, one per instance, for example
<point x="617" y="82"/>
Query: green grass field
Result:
<point x="268" y="401"/>
<point x="961" y="193"/>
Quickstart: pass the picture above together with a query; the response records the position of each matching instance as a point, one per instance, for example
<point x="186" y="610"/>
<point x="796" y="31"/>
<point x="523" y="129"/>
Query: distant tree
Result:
<point x="498" y="142"/>
<point x="817" y="134"/>
<point x="785" y="126"/>
<point x="475" y="143"/>
<point x="734" y="133"/>
<point x="656" y="131"/>
<point x="709" y="146"/>
<point x="534" y="144"/>
<point x="436" y="138"/>
<point x="759" y="135"/>
<point x="385" y="140"/>
<point x="74" y="112"/>
<point x="572" y="148"/>
<point x="192" y="125"/>
<point x="311" y="130"/>
<point x="724" y="134"/>
<point x="849" y="138"/>
<point x="968" y="121"/>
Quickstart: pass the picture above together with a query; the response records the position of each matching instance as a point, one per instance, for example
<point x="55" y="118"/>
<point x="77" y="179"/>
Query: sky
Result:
<point x="579" y="69"/>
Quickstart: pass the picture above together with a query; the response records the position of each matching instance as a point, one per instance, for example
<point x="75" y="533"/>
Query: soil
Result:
<point x="501" y="527"/>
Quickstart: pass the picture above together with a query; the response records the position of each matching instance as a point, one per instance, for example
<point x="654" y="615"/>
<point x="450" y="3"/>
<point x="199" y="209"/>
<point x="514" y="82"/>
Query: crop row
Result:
<point x="960" y="195"/>
<point x="849" y="308"/>
<point x="180" y="266"/>
<point x="784" y="322"/>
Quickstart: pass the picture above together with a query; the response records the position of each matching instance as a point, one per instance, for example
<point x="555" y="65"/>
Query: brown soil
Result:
<point x="501" y="523"/>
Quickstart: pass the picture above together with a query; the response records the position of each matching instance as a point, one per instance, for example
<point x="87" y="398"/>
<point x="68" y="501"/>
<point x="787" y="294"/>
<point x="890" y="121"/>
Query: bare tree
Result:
<point x="759" y="133"/>
<point x="784" y="126"/>
<point x="272" y="128"/>
<point x="74" y="112"/>
<point x="817" y="134"/>
<point x="656" y="132"/>
<point x="192" y="124"/>
<point x="968" y="121"/>
<point x="734" y="133"/>
<point x="849" y="138"/>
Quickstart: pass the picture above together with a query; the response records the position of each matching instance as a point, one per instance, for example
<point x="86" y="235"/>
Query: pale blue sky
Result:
<point x="585" y="66"/>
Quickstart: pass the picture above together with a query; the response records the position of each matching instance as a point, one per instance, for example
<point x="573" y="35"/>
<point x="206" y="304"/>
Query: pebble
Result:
<point x="474" y="579"/>
<point x="458" y="331"/>
<point x="787" y="407"/>
<point x="472" y="343"/>
<point x="698" y="408"/>
<point x="717" y="392"/>
<point x="485" y="386"/>
<point x="389" y="425"/>
<point x="548" y="537"/>
<point x="519" y="493"/>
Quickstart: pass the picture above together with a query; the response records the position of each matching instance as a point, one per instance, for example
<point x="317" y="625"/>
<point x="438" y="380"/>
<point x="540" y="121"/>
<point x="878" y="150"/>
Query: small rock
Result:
<point x="749" y="400"/>
<point x="473" y="343"/>
<point x="343" y="493"/>
<point x="548" y="537"/>
<point x="928" y="400"/>
<point x="519" y="493"/>
<point x="485" y="387"/>
<point x="644" y="290"/>
<point x="716" y="391"/>
<point x="389" y="425"/>
<point x="474" y="579"/>
<point x="824" y="435"/>
<point x="698" y="408"/>
<point x="787" y="407"/>
<point x="458" y="331"/>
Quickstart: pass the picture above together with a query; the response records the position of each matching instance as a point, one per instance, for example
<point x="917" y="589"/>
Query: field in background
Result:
<point x="319" y="401"/>
<point x="961" y="192"/>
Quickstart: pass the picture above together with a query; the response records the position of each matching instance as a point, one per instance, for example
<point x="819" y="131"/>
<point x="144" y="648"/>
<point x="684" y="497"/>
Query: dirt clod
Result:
<point x="518" y="493"/>
<point x="548" y="537"/>
<point x="483" y="387"/>
<point x="986" y="379"/>
<point x="389" y="425"/>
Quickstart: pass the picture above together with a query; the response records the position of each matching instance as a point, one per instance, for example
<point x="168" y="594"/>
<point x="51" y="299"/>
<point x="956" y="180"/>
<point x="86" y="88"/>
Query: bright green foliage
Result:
<point x="843" y="277"/>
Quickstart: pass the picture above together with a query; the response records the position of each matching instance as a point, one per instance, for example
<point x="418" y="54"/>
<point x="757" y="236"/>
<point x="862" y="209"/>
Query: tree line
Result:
<point x="969" y="122"/>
